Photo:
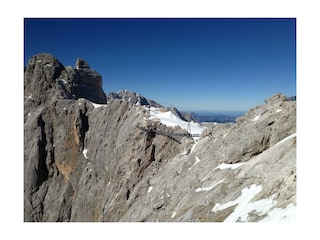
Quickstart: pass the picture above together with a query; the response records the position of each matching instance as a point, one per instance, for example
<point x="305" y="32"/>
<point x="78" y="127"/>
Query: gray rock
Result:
<point x="40" y="77"/>
<point x="85" y="161"/>
<point x="46" y="79"/>
<point x="87" y="83"/>
<point x="134" y="98"/>
<point x="184" y="116"/>
<point x="81" y="63"/>
<point x="138" y="99"/>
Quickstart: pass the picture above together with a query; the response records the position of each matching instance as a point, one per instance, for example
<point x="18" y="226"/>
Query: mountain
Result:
<point x="45" y="79"/>
<point x="133" y="97"/>
<point x="89" y="157"/>
<point x="138" y="99"/>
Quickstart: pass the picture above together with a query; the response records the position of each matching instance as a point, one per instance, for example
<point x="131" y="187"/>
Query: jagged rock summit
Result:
<point x="47" y="79"/>
<point x="81" y="63"/>
<point x="133" y="97"/>
<point x="87" y="161"/>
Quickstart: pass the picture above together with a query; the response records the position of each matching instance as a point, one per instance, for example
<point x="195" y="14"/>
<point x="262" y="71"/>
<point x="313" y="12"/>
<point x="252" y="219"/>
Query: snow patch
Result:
<point x="184" y="153"/>
<point x="286" y="139"/>
<point x="28" y="114"/>
<point x="171" y="120"/>
<point x="256" y="118"/>
<point x="208" y="188"/>
<point x="226" y="166"/>
<point x="173" y="214"/>
<point x="245" y="206"/>
<point x="84" y="152"/>
<point x="95" y="105"/>
<point x="193" y="147"/>
<point x="150" y="189"/>
<point x="30" y="97"/>
<point x="39" y="61"/>
<point x="279" y="110"/>
<point x="287" y="214"/>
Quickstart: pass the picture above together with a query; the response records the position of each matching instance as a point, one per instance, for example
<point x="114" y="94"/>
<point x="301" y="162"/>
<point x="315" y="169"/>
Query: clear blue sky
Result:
<point x="192" y="64"/>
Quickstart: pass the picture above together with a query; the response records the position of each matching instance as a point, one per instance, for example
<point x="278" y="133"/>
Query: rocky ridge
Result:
<point x="134" y="98"/>
<point x="140" y="100"/>
<point x="85" y="160"/>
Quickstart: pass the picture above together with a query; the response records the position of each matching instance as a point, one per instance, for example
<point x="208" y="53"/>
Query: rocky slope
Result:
<point x="85" y="159"/>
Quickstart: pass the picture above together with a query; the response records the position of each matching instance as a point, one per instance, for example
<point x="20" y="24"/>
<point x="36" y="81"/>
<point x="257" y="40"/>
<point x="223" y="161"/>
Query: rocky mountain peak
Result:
<point x="86" y="83"/>
<point x="133" y="97"/>
<point x="46" y="79"/>
<point x="40" y="76"/>
<point x="81" y="63"/>
<point x="276" y="99"/>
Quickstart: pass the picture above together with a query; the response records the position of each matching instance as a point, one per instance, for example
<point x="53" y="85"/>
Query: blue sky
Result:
<point x="192" y="64"/>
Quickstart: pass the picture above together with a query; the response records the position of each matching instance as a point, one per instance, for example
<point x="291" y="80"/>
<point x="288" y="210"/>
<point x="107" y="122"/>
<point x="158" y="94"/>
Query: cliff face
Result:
<point x="46" y="80"/>
<point x="85" y="159"/>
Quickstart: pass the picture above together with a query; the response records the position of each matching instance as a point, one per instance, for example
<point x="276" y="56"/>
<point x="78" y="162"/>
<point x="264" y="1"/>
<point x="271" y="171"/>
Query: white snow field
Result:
<point x="171" y="120"/>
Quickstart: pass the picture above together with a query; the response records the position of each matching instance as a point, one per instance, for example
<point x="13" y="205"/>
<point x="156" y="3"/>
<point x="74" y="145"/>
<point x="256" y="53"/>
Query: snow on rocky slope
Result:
<point x="169" y="119"/>
<point x="86" y="160"/>
<point x="206" y="185"/>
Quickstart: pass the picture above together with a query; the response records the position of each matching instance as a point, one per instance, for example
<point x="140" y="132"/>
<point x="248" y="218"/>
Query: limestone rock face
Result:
<point x="236" y="172"/>
<point x="40" y="77"/>
<point x="46" y="79"/>
<point x="87" y="83"/>
<point x="85" y="160"/>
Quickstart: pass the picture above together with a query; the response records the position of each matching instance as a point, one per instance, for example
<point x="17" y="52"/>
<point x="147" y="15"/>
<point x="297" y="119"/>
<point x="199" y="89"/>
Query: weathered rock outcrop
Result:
<point x="46" y="80"/>
<point x="134" y="98"/>
<point x="85" y="161"/>
<point x="259" y="129"/>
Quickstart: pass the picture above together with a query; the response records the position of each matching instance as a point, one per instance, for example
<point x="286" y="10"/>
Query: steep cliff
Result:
<point x="86" y="160"/>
